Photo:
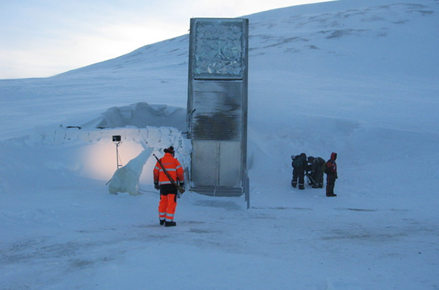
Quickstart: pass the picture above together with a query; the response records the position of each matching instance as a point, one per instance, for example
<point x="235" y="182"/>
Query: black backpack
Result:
<point x="297" y="161"/>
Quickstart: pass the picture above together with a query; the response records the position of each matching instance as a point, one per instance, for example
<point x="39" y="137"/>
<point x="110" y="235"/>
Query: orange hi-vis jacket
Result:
<point x="172" y="166"/>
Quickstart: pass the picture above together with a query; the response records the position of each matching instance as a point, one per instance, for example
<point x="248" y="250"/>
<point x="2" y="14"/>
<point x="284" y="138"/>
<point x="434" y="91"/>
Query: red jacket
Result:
<point x="172" y="166"/>
<point x="332" y="165"/>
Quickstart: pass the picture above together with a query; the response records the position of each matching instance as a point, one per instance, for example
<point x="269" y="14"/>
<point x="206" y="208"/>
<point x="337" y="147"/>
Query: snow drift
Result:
<point x="355" y="77"/>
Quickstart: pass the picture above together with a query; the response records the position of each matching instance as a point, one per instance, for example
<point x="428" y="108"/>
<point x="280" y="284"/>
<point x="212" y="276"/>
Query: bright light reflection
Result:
<point x="100" y="159"/>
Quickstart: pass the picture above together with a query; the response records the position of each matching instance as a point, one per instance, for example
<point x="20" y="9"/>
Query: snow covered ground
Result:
<point x="355" y="77"/>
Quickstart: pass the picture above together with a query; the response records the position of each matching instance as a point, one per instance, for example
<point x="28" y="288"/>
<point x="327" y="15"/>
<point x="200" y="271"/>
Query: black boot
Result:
<point x="170" y="224"/>
<point x="162" y="222"/>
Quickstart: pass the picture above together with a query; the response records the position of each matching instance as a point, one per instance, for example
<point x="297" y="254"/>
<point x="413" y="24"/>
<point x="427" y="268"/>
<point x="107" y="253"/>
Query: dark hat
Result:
<point x="169" y="150"/>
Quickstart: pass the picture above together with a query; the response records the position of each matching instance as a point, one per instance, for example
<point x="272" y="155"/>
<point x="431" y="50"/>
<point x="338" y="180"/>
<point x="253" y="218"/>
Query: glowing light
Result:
<point x="100" y="158"/>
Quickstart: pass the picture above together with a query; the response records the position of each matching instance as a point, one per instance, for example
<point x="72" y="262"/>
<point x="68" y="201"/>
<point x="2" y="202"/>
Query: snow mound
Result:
<point x="141" y="115"/>
<point x="97" y="157"/>
<point x="126" y="178"/>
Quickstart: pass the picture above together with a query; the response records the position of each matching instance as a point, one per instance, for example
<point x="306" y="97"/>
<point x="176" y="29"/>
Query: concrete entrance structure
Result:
<point x="217" y="105"/>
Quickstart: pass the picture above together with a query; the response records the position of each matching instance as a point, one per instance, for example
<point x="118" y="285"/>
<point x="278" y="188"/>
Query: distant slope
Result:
<point x="374" y="35"/>
<point x="360" y="55"/>
<point x="360" y="36"/>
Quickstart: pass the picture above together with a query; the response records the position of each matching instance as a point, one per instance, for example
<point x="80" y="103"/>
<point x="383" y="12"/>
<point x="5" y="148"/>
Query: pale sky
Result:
<point x="41" y="38"/>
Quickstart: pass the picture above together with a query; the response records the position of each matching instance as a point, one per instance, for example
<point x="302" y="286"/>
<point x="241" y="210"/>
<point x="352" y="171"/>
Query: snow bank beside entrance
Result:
<point x="98" y="158"/>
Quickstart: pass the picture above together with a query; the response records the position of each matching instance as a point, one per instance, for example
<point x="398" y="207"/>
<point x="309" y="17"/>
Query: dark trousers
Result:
<point x="318" y="178"/>
<point x="330" y="184"/>
<point x="298" y="174"/>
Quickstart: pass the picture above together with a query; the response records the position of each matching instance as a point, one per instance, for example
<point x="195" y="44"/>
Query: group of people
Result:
<point x="168" y="172"/>
<point x="314" y="168"/>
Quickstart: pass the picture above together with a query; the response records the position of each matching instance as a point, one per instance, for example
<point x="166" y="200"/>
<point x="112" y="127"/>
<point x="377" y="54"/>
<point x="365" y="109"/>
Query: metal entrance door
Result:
<point x="217" y="105"/>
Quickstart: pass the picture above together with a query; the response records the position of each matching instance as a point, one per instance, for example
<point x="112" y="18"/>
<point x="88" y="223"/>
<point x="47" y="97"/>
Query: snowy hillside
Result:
<point x="356" y="77"/>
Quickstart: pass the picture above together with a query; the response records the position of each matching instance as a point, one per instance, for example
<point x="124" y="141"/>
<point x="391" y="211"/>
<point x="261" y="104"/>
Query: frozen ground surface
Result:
<point x="354" y="77"/>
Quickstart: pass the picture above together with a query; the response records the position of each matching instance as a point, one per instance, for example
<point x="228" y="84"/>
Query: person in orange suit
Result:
<point x="168" y="192"/>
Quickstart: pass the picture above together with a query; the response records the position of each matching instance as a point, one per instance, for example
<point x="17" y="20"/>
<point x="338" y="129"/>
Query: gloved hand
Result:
<point x="156" y="185"/>
<point x="182" y="184"/>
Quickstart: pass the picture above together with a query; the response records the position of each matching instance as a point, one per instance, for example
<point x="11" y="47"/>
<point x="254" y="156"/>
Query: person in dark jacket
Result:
<point x="318" y="167"/>
<point x="331" y="174"/>
<point x="309" y="171"/>
<point x="299" y="165"/>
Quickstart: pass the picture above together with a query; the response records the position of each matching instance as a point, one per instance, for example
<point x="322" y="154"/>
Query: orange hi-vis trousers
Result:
<point x="167" y="206"/>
